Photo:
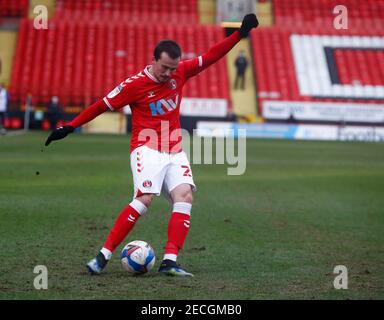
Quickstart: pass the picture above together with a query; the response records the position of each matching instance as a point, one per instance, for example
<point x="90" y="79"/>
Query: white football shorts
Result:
<point x="154" y="171"/>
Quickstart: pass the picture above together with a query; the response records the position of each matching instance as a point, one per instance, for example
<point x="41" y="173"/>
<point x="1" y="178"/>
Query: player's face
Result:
<point x="164" y="67"/>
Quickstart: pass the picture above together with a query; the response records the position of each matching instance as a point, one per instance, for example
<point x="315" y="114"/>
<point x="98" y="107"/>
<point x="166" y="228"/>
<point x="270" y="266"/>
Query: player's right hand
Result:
<point x="59" y="133"/>
<point x="249" y="21"/>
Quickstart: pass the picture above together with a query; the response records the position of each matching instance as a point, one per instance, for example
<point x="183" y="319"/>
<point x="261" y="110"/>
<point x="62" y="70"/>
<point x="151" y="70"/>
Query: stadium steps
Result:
<point x="49" y="4"/>
<point x="207" y="11"/>
<point x="109" y="122"/>
<point x="243" y="101"/>
<point x="7" y="51"/>
<point x="264" y="13"/>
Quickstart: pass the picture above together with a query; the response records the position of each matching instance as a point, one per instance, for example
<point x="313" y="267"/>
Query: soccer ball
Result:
<point x="137" y="257"/>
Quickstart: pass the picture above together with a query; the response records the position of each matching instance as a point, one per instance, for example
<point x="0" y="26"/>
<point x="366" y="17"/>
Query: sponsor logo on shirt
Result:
<point x="163" y="105"/>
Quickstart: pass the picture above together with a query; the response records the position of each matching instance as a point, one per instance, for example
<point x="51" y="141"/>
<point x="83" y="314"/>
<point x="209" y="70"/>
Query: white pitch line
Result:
<point x="13" y="133"/>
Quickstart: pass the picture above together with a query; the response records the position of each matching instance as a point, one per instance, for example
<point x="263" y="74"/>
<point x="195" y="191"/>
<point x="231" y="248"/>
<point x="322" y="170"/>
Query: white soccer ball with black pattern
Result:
<point x="138" y="257"/>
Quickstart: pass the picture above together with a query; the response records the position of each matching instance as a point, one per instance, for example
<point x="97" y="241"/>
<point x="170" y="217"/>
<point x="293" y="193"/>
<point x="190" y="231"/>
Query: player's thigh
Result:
<point x="148" y="170"/>
<point x="179" y="173"/>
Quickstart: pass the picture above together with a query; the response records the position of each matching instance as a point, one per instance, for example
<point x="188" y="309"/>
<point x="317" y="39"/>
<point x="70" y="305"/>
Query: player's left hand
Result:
<point x="249" y="21"/>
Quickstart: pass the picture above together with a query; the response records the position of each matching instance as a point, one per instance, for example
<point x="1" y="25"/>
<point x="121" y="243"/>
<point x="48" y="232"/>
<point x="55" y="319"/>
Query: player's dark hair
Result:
<point x="168" y="46"/>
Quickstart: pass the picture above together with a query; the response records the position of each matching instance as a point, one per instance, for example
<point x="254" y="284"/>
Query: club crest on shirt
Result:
<point x="172" y="84"/>
<point x="147" y="184"/>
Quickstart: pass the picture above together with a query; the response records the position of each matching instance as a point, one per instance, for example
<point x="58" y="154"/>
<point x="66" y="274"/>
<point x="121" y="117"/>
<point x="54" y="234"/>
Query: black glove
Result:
<point x="59" y="133"/>
<point x="250" y="21"/>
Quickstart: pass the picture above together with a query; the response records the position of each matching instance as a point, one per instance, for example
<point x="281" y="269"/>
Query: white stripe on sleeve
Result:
<point x="107" y="103"/>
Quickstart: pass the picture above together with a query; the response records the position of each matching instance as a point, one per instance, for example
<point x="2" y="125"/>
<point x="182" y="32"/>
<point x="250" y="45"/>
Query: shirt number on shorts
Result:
<point x="187" y="172"/>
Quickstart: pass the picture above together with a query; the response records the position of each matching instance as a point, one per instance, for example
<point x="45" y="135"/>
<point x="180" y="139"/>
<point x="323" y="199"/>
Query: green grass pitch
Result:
<point x="276" y="232"/>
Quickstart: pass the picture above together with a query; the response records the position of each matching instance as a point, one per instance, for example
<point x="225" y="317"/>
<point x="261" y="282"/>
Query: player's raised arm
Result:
<point x="219" y="50"/>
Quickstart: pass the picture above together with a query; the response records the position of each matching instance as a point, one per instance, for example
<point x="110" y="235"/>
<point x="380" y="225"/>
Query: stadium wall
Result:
<point x="292" y="132"/>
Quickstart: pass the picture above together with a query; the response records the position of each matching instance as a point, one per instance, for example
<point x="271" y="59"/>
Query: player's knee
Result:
<point x="184" y="195"/>
<point x="188" y="197"/>
<point x="146" y="199"/>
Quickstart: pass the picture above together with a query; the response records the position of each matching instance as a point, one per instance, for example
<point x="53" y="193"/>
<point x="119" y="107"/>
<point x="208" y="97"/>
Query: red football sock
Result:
<point x="123" y="225"/>
<point x="178" y="227"/>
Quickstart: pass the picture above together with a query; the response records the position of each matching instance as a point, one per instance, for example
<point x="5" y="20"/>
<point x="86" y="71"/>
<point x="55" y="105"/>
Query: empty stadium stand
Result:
<point x="150" y="11"/>
<point x="304" y="63"/>
<point x="367" y="14"/>
<point x="318" y="66"/>
<point x="81" y="61"/>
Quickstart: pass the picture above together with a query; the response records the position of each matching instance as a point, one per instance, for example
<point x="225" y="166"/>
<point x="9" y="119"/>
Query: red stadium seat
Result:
<point x="11" y="8"/>
<point x="15" y="123"/>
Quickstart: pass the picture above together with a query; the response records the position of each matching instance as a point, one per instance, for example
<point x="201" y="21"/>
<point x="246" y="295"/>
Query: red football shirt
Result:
<point x="155" y="106"/>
